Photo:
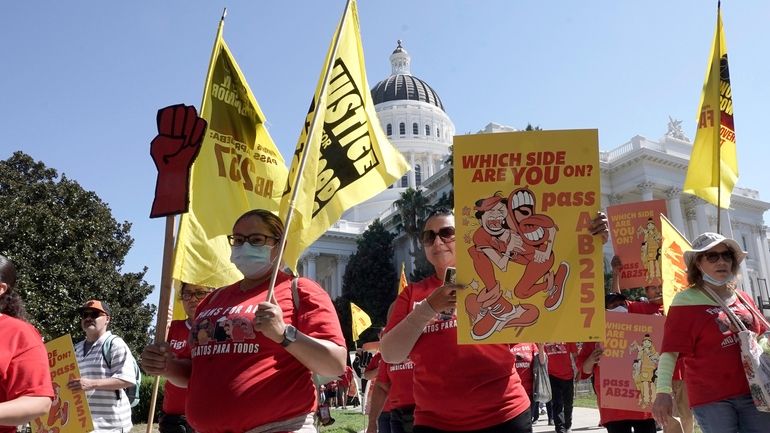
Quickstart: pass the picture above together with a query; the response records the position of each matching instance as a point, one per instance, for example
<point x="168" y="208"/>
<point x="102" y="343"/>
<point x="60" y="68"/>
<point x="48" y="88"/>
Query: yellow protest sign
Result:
<point x="69" y="411"/>
<point x="524" y="202"/>
<point x="673" y="267"/>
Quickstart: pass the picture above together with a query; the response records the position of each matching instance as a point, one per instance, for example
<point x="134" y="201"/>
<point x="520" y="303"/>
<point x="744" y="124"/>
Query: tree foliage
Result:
<point x="68" y="248"/>
<point x="414" y="210"/>
<point x="370" y="279"/>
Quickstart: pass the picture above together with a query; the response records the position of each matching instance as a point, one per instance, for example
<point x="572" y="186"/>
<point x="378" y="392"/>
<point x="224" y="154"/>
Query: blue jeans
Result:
<point x="734" y="415"/>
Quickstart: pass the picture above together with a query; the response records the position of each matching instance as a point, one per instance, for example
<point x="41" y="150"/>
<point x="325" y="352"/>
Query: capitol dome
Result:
<point x="402" y="85"/>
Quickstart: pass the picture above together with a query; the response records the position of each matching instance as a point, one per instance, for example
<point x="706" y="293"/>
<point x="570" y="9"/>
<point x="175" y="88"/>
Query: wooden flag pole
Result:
<point x="303" y="159"/>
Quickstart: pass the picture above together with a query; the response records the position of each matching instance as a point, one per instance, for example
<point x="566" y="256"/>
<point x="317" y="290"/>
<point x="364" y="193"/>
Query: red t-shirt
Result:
<point x="173" y="396"/>
<point x="241" y="380"/>
<point x="559" y="360"/>
<point x="605" y="414"/>
<point x="346" y="377"/>
<point x="525" y="354"/>
<point x="640" y="307"/>
<point x="458" y="387"/>
<point x="710" y="351"/>
<point x="23" y="363"/>
<point x="400" y="377"/>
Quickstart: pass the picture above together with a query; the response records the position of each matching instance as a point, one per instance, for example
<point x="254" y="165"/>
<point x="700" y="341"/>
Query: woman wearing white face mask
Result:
<point x="699" y="331"/>
<point x="251" y="359"/>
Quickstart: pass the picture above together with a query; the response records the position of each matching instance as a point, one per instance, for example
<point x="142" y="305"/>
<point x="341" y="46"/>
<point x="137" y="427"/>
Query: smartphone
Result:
<point x="450" y="276"/>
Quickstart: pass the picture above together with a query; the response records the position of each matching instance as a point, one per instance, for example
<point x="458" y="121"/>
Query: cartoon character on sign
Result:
<point x="644" y="368"/>
<point x="650" y="248"/>
<point x="511" y="231"/>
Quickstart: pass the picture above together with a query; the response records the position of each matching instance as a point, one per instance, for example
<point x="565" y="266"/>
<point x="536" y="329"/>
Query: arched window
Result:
<point x="404" y="180"/>
<point x="438" y="132"/>
<point x="402" y="128"/>
<point x="427" y="130"/>
<point x="415" y="129"/>
<point x="417" y="175"/>
<point x="389" y="129"/>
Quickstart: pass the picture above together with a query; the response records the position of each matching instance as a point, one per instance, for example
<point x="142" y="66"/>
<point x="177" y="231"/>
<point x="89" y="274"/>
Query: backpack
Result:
<point x="132" y="392"/>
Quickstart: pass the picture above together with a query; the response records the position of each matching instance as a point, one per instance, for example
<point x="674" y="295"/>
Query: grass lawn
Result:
<point x="345" y="421"/>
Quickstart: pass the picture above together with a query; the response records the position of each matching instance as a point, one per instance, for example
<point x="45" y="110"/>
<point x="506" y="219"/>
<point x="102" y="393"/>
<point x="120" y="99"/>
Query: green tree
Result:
<point x="68" y="248"/>
<point x="370" y="278"/>
<point x="414" y="209"/>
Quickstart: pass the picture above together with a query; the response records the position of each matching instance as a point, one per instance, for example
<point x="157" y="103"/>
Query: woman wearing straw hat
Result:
<point x="699" y="331"/>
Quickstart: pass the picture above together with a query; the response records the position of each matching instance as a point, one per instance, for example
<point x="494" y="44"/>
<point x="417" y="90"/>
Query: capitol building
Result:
<point x="415" y="121"/>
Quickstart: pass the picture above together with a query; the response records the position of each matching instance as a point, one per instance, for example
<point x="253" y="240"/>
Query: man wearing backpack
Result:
<point x="105" y="374"/>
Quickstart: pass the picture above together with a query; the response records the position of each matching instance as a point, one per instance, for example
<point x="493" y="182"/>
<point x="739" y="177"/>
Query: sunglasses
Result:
<point x="91" y="314"/>
<point x="197" y="295"/>
<point x="713" y="257"/>
<point x="447" y="234"/>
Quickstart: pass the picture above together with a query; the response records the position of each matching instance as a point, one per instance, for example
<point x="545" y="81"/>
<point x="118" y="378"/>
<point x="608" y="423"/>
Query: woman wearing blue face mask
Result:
<point x="251" y="359"/>
<point x="699" y="331"/>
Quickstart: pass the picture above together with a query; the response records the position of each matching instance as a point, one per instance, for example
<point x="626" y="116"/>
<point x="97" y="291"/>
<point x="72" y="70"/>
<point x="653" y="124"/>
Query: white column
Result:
<point x="675" y="208"/>
<point x="311" y="260"/>
<point x="412" y="182"/>
<point x="646" y="189"/>
<point x="692" y="224"/>
<point x="615" y="198"/>
<point x="342" y="263"/>
<point x="701" y="217"/>
<point x="760" y="238"/>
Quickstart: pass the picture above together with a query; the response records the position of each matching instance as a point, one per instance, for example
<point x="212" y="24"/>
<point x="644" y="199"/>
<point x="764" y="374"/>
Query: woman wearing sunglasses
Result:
<point x="25" y="381"/>
<point x="172" y="418"/>
<point x="698" y="331"/>
<point x="456" y="387"/>
<point x="251" y="359"/>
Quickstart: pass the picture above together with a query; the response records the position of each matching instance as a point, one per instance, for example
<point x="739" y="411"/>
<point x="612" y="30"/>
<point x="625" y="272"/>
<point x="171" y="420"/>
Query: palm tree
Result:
<point x="414" y="210"/>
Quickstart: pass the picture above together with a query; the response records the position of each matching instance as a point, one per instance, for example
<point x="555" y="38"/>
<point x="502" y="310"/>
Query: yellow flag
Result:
<point x="402" y="283"/>
<point x="239" y="168"/>
<point x="673" y="269"/>
<point x="349" y="156"/>
<point x="360" y="320"/>
<point x="713" y="169"/>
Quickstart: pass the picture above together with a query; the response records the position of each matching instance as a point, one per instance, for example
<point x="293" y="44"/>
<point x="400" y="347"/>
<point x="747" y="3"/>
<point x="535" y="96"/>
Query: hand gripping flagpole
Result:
<point x="164" y="307"/>
<point x="308" y="139"/>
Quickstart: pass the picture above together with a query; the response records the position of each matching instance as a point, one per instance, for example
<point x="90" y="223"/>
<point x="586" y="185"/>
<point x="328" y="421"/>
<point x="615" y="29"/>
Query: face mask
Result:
<point x="714" y="282"/>
<point x="619" y="309"/>
<point x="250" y="260"/>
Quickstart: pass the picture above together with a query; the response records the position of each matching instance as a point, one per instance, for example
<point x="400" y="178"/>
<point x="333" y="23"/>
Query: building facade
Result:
<point x="413" y="117"/>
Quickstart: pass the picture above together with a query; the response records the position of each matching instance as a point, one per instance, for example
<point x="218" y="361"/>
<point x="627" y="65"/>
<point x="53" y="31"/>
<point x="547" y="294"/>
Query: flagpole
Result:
<point x="308" y="139"/>
<point x="166" y="281"/>
<point x="718" y="129"/>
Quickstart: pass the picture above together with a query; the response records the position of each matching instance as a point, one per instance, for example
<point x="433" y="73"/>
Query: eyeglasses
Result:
<point x="91" y="314"/>
<point x="197" y="295"/>
<point x="713" y="257"/>
<point x="256" y="240"/>
<point x="447" y="234"/>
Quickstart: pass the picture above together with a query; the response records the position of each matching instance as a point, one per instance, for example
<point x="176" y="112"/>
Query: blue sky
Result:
<point x="82" y="80"/>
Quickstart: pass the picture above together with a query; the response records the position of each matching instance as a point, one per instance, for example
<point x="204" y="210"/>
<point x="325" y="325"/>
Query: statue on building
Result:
<point x="675" y="129"/>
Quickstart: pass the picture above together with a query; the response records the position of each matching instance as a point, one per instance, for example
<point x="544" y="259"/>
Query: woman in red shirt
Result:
<point x="25" y="382"/>
<point x="456" y="387"/>
<point x="698" y="330"/>
<point x="253" y="359"/>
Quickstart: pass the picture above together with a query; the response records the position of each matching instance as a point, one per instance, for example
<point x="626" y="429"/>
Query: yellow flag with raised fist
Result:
<point x="239" y="168"/>
<point x="360" y="320"/>
<point x="349" y="157"/>
<point x="713" y="169"/>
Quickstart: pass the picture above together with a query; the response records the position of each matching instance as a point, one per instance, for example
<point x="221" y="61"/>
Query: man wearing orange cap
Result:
<point x="104" y="376"/>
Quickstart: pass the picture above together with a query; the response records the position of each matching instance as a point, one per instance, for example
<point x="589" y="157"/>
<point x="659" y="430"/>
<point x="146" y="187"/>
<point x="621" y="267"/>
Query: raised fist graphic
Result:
<point x="180" y="134"/>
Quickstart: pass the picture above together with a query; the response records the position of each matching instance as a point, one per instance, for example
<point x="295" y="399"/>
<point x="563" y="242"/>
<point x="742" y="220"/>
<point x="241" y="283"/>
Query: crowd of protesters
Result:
<point x="237" y="345"/>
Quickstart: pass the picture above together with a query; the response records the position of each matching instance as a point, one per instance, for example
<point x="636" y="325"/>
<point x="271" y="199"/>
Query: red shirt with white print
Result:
<point x="458" y="387"/>
<point x="525" y="355"/>
<point x="708" y="347"/>
<point x="400" y="377"/>
<point x="234" y="366"/>
<point x="560" y="359"/>
<point x="174" y="397"/>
